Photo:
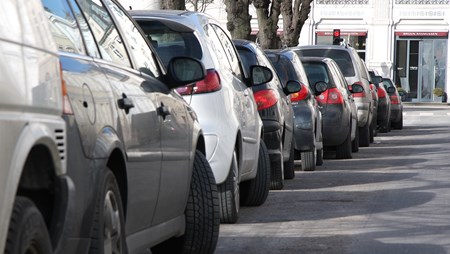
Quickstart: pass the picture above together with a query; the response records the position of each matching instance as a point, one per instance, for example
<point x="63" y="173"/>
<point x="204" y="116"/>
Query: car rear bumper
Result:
<point x="272" y="138"/>
<point x="304" y="127"/>
<point x="336" y="125"/>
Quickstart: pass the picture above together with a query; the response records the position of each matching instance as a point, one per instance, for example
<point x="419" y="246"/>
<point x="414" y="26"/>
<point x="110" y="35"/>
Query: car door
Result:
<point x="245" y="102"/>
<point x="166" y="123"/>
<point x="138" y="121"/>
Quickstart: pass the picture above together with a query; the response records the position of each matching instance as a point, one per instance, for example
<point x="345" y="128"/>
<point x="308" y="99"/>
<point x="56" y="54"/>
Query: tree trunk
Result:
<point x="173" y="5"/>
<point x="294" y="17"/>
<point x="238" y="18"/>
<point x="268" y="16"/>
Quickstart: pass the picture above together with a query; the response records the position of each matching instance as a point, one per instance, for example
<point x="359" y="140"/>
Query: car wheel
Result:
<point x="385" y="124"/>
<point x="27" y="231"/>
<point x="309" y="160"/>
<point x="364" y="135"/>
<point x="108" y="232"/>
<point x="255" y="191"/>
<point x="344" y="150"/>
<point x="319" y="157"/>
<point x="289" y="167"/>
<point x="398" y="125"/>
<point x="229" y="194"/>
<point x="277" y="172"/>
<point x="202" y="214"/>
<point x="355" y="142"/>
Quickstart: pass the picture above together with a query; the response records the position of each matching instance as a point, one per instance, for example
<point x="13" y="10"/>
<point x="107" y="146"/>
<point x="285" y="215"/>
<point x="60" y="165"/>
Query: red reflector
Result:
<point x="265" y="98"/>
<point x="211" y="83"/>
<point x="335" y="96"/>
<point x="301" y="95"/>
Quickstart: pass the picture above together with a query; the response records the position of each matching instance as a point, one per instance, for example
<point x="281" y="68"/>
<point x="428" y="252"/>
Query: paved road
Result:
<point x="392" y="197"/>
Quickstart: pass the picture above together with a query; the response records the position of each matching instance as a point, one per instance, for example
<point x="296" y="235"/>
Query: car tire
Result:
<point x="255" y="191"/>
<point x="108" y="230"/>
<point x="344" y="150"/>
<point x="277" y="172"/>
<point x="385" y="125"/>
<point x="319" y="157"/>
<point x="309" y="160"/>
<point x="364" y="135"/>
<point x="229" y="194"/>
<point x="398" y="125"/>
<point x="289" y="167"/>
<point x="355" y="142"/>
<point x="27" y="231"/>
<point x="202" y="214"/>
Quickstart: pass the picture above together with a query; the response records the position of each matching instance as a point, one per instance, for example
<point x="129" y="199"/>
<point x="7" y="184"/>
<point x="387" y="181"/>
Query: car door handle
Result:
<point x="125" y="103"/>
<point x="163" y="111"/>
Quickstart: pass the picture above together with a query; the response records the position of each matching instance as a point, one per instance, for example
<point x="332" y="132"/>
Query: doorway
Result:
<point x="420" y="67"/>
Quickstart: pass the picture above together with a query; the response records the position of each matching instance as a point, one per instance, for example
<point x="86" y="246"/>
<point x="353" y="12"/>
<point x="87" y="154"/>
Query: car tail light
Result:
<point x="381" y="93"/>
<point x="265" y="98"/>
<point x="210" y="83"/>
<point x="361" y="94"/>
<point x="300" y="95"/>
<point x="395" y="99"/>
<point x="67" y="107"/>
<point x="334" y="96"/>
<point x="322" y="98"/>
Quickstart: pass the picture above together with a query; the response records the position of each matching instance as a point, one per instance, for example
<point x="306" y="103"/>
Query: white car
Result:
<point x="34" y="187"/>
<point x="224" y="103"/>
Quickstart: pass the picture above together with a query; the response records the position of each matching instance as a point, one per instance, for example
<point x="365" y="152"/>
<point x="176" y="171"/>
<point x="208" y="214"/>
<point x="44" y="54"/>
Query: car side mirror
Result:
<point x="320" y="87"/>
<point x="292" y="86"/>
<point x="356" y="88"/>
<point x="391" y="90"/>
<point x="184" y="70"/>
<point x="260" y="75"/>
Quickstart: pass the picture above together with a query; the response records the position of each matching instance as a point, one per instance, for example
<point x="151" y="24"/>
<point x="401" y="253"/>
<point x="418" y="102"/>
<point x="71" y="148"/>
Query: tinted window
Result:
<point x="229" y="50"/>
<point x="170" y="42"/>
<point x="105" y="33"/>
<point x="138" y="47"/>
<point x="285" y="69"/>
<point x="341" y="57"/>
<point x="316" y="72"/>
<point x="248" y="58"/>
<point x="64" y="27"/>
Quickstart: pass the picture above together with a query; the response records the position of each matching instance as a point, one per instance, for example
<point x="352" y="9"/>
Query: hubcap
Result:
<point x="112" y="228"/>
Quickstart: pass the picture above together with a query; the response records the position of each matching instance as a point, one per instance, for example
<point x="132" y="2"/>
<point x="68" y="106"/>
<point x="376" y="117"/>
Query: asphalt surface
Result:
<point x="392" y="197"/>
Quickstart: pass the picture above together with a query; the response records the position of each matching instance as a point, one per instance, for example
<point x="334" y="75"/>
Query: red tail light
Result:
<point x="361" y="94"/>
<point x="211" y="83"/>
<point x="381" y="93"/>
<point x="395" y="99"/>
<point x="322" y="98"/>
<point x="301" y="95"/>
<point x="334" y="96"/>
<point x="265" y="98"/>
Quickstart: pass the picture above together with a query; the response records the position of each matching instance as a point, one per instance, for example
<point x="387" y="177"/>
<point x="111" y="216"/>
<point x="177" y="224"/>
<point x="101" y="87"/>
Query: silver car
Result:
<point x="223" y="101"/>
<point x="34" y="187"/>
<point x="355" y="72"/>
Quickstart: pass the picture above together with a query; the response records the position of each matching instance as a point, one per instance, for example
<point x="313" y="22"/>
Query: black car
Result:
<point x="384" y="103"/>
<point x="275" y="110"/>
<point x="396" y="104"/>
<point x="135" y="149"/>
<point x="339" y="112"/>
<point x="308" y="143"/>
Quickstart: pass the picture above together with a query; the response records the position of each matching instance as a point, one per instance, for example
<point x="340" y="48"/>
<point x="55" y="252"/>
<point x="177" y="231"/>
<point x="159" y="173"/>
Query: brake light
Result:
<point x="334" y="96"/>
<point x="322" y="98"/>
<point x="381" y="93"/>
<point x="395" y="100"/>
<point x="360" y="94"/>
<point x="67" y="108"/>
<point x="300" y="95"/>
<point x="265" y="98"/>
<point x="209" y="84"/>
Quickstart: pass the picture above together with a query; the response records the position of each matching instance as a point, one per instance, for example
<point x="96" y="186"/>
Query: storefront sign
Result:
<point x="343" y="33"/>
<point x="422" y="34"/>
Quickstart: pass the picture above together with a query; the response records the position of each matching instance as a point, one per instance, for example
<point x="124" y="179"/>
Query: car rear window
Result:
<point x="341" y="57"/>
<point x="248" y="58"/>
<point x="284" y="68"/>
<point x="170" y="43"/>
<point x="316" y="72"/>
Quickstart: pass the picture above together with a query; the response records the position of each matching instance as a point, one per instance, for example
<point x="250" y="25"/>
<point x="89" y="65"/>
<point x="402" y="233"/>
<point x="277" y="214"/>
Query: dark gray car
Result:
<point x="136" y="152"/>
<point x="340" y="131"/>
<point x="307" y="116"/>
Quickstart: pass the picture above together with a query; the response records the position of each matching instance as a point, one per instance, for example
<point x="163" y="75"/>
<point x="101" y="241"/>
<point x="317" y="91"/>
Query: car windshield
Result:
<point x="316" y="72"/>
<point x="341" y="57"/>
<point x="169" y="43"/>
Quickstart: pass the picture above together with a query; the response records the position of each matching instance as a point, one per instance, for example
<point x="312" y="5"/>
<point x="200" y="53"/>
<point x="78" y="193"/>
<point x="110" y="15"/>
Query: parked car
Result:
<point x="396" y="104"/>
<point x="136" y="151"/>
<point x="35" y="191"/>
<point x="307" y="116"/>
<point x="339" y="112"/>
<point x="275" y="110"/>
<point x="384" y="103"/>
<point x="354" y="72"/>
<point x="224" y="103"/>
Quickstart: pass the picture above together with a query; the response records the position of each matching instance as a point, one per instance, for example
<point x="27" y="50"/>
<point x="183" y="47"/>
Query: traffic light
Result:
<point x="337" y="36"/>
